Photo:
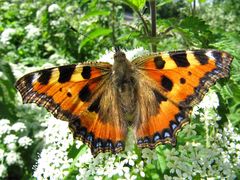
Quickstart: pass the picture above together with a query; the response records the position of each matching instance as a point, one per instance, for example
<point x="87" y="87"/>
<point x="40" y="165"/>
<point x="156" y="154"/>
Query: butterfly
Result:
<point x="154" y="94"/>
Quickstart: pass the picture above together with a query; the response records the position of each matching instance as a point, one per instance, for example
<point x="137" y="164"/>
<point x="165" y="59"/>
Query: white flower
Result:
<point x="32" y="31"/>
<point x="60" y="60"/>
<point x="25" y="141"/>
<point x="130" y="158"/>
<point x="10" y="139"/>
<point x="7" y="35"/>
<point x="12" y="158"/>
<point x="142" y="174"/>
<point x="131" y="54"/>
<point x="11" y="146"/>
<point x="1" y="155"/>
<point x="18" y="127"/>
<point x="55" y="23"/>
<point x="40" y="12"/>
<point x="78" y="144"/>
<point x="4" y="126"/>
<point x="53" y="7"/>
<point x="6" y="6"/>
<point x="3" y="171"/>
<point x="70" y="9"/>
<point x="209" y="101"/>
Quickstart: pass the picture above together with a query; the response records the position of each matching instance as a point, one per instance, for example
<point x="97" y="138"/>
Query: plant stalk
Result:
<point x="153" y="24"/>
<point x="194" y="7"/>
<point x="144" y="22"/>
<point x="113" y="16"/>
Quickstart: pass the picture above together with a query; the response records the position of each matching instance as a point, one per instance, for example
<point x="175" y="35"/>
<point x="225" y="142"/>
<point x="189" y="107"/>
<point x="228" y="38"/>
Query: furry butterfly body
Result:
<point x="154" y="94"/>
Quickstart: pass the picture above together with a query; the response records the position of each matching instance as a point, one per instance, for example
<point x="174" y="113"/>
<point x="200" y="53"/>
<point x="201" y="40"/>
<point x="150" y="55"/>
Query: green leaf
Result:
<point x="162" y="3"/>
<point x="94" y="13"/>
<point x="135" y="4"/>
<point x="93" y="35"/>
<point x="5" y="67"/>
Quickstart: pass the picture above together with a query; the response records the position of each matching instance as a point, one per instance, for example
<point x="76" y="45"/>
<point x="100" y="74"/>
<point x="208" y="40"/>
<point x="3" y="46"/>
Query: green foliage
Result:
<point x="137" y="5"/>
<point x="7" y="91"/>
<point x="45" y="32"/>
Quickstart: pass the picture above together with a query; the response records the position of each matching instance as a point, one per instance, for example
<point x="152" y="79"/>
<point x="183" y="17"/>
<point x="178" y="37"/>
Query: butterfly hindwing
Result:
<point x="179" y="80"/>
<point x="74" y="93"/>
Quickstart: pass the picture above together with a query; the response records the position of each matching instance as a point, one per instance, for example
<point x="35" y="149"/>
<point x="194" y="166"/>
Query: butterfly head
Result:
<point x="119" y="55"/>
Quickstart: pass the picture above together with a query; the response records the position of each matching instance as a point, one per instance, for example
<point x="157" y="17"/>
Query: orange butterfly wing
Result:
<point x="73" y="93"/>
<point x="180" y="79"/>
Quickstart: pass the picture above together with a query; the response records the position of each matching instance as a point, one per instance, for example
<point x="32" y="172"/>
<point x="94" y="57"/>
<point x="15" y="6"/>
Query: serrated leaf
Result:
<point x="94" y="34"/>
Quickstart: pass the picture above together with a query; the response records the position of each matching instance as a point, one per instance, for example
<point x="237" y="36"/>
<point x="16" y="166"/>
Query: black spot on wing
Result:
<point x="180" y="58"/>
<point x="66" y="73"/>
<point x="182" y="80"/>
<point x="85" y="93"/>
<point x="167" y="83"/>
<point x="159" y="97"/>
<point x="86" y="72"/>
<point x="201" y="57"/>
<point x="95" y="105"/>
<point x="45" y="76"/>
<point x="69" y="94"/>
<point x="159" y="62"/>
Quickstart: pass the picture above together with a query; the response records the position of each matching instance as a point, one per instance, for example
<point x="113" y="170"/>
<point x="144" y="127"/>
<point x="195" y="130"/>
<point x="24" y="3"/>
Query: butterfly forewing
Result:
<point x="181" y="79"/>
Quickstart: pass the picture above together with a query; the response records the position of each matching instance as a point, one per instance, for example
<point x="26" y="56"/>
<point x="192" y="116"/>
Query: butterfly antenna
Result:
<point x="117" y="48"/>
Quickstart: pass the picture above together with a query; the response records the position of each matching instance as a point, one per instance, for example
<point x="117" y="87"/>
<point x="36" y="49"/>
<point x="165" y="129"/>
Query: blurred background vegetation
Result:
<point x="36" y="34"/>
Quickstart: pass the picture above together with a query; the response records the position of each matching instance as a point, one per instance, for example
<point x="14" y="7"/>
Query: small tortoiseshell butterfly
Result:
<point x="154" y="94"/>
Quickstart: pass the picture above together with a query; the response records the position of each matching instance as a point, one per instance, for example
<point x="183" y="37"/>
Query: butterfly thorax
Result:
<point x="125" y="84"/>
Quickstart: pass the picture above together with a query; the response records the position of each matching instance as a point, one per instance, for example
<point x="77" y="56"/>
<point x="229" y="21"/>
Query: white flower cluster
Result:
<point x="54" y="162"/>
<point x="219" y="157"/>
<point x="53" y="8"/>
<point x="10" y="140"/>
<point x="125" y="165"/>
<point x="230" y="140"/>
<point x="6" y="6"/>
<point x="32" y="31"/>
<point x="7" y="35"/>
<point x="58" y="22"/>
<point x="58" y="59"/>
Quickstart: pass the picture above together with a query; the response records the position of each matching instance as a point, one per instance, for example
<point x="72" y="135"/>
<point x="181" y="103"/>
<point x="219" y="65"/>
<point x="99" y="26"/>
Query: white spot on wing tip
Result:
<point x="35" y="77"/>
<point x="210" y="55"/>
